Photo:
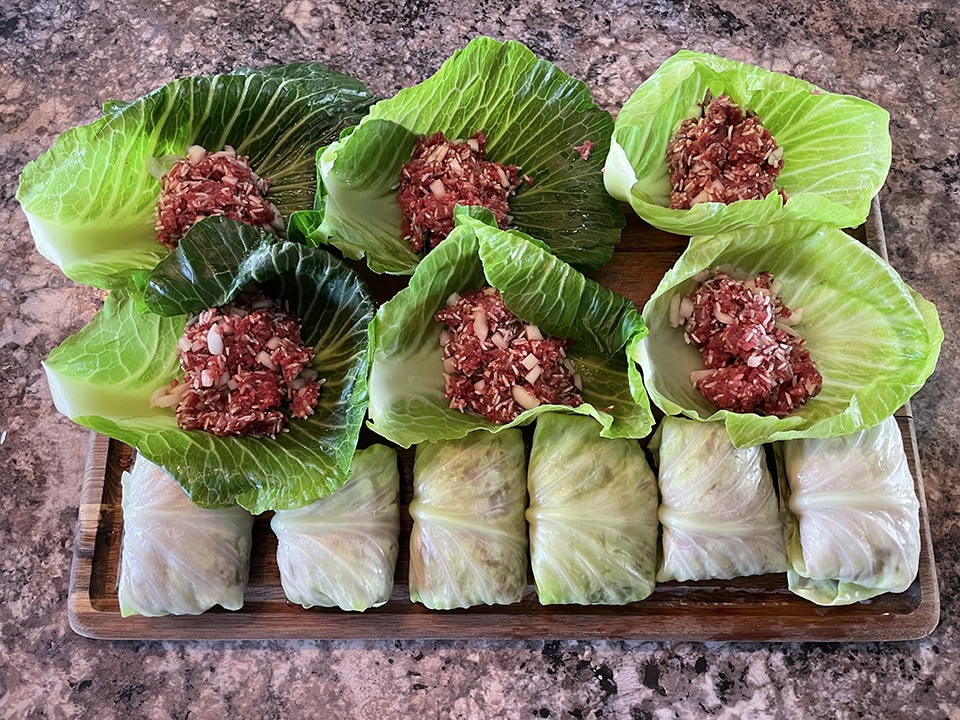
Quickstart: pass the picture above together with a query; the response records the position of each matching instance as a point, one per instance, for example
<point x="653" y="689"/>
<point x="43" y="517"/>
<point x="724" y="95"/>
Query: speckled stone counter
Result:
<point x="60" y="60"/>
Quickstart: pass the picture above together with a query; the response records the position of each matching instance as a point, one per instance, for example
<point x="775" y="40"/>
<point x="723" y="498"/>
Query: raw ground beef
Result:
<point x="497" y="365"/>
<point x="753" y="359"/>
<point x="243" y="364"/>
<point x="722" y="156"/>
<point x="204" y="184"/>
<point x="442" y="174"/>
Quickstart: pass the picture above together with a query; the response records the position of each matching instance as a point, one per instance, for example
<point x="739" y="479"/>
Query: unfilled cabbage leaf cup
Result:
<point x="90" y="199"/>
<point x="836" y="148"/>
<point x="874" y="339"/>
<point x="105" y="376"/>
<point x="407" y="403"/>
<point x="533" y="115"/>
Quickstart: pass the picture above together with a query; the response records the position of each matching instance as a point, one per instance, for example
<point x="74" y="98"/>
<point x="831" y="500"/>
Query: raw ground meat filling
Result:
<point x="723" y="156"/>
<point x="441" y="175"/>
<point x="497" y="365"/>
<point x="204" y="184"/>
<point x="753" y="359"/>
<point x="245" y="369"/>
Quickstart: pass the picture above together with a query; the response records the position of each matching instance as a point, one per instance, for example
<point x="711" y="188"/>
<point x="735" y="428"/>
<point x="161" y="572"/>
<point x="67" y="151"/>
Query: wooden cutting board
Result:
<point x="745" y="609"/>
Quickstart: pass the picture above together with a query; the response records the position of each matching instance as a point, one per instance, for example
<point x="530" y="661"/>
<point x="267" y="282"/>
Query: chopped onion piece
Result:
<point x="674" y="313"/>
<point x="264" y="359"/>
<point x="480" y="325"/>
<point x="436" y="187"/>
<point x="524" y="399"/>
<point x="214" y="340"/>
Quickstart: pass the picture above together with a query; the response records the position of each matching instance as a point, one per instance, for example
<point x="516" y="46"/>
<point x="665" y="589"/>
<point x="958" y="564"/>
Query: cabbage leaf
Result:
<point x="851" y="515"/>
<point x="341" y="551"/>
<point x="718" y="505"/>
<point x="103" y="377"/>
<point x="532" y="114"/>
<point x="407" y="403"/>
<point x="90" y="199"/>
<point x="873" y="338"/>
<point x="837" y="148"/>
<point x="176" y="558"/>
<point x="592" y="515"/>
<point x="468" y="545"/>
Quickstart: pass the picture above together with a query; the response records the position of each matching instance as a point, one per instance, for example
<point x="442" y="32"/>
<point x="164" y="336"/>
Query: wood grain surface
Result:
<point x="745" y="609"/>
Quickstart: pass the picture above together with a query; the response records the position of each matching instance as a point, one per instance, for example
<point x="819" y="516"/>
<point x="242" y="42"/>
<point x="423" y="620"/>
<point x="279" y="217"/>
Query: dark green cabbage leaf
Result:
<point x="103" y="377"/>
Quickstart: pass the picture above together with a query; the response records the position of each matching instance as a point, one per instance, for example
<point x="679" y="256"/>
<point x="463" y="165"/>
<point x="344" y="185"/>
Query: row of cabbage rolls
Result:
<point x="597" y="525"/>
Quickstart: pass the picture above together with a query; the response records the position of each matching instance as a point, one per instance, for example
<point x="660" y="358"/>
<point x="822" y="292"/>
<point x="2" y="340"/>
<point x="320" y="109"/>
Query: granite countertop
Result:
<point x="60" y="60"/>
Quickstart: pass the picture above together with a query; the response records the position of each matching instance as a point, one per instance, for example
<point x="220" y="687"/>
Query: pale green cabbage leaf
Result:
<point x="90" y="199"/>
<point x="836" y="148"/>
<point x="341" y="551"/>
<point x="592" y="515"/>
<point x="177" y="558"/>
<point x="851" y="515"/>
<point x="468" y="545"/>
<point x="103" y="377"/>
<point x="533" y="115"/>
<point x="718" y="505"/>
<point x="407" y="403"/>
<point x="874" y="339"/>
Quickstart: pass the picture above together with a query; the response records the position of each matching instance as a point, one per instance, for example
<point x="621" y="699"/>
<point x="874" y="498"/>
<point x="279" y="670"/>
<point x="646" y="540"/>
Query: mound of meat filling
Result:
<point x="722" y="156"/>
<point x="204" y="184"/>
<point x="245" y="369"/>
<point x="497" y="365"/>
<point x="753" y="358"/>
<point x="442" y="174"/>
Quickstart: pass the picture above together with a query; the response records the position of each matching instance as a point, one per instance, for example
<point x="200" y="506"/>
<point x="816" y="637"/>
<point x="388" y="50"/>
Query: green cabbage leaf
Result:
<point x="199" y="559"/>
<point x="532" y="114"/>
<point x="341" y="551"/>
<point x="90" y="199"/>
<point x="468" y="543"/>
<point x="103" y="377"/>
<point x="718" y="506"/>
<point x="851" y="516"/>
<point x="874" y="339"/>
<point x="407" y="403"/>
<point x="592" y="515"/>
<point x="836" y="148"/>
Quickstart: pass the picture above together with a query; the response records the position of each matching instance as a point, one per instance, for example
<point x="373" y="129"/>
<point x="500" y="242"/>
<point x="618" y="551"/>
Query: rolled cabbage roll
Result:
<point x="468" y="545"/>
<point x="851" y="516"/>
<point x="341" y="551"/>
<point x="592" y="514"/>
<point x="177" y="558"/>
<point x="718" y="505"/>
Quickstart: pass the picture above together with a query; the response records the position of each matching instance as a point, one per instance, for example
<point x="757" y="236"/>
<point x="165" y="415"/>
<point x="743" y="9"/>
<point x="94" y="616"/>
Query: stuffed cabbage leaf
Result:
<point x="718" y="505"/>
<point x="851" y="516"/>
<point x="836" y="148"/>
<point x="407" y="402"/>
<point x="91" y="198"/>
<point x="850" y="297"/>
<point x="592" y="515"/>
<point x="469" y="540"/>
<point x="104" y="377"/>
<point x="341" y="551"/>
<point x="177" y="558"/>
<point x="533" y="115"/>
